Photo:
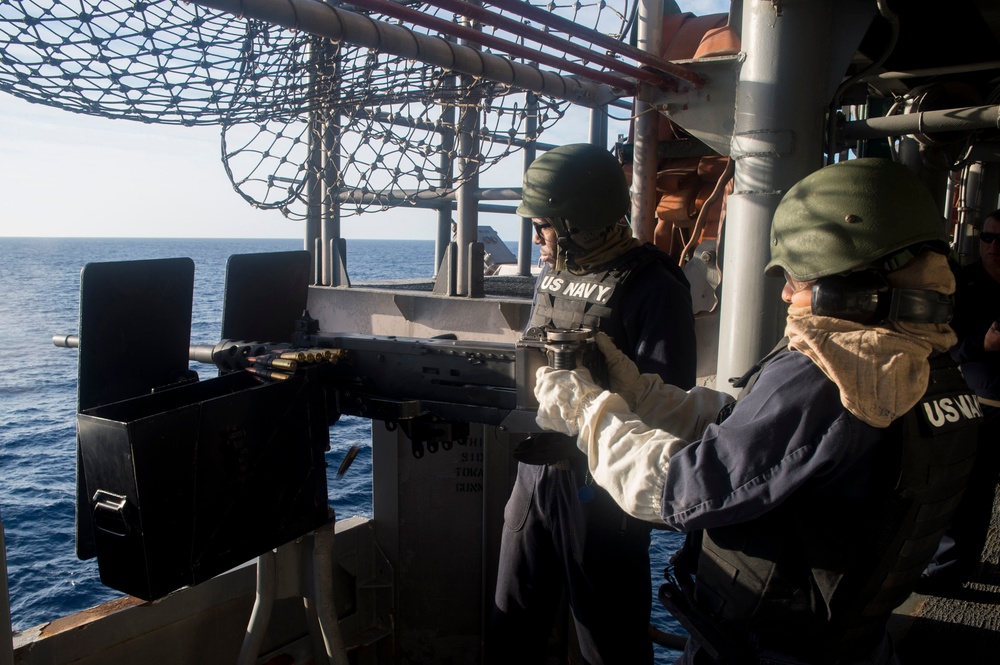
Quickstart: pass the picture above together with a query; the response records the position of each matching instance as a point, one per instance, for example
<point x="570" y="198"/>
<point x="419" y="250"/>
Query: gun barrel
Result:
<point x="201" y="353"/>
<point x="66" y="341"/>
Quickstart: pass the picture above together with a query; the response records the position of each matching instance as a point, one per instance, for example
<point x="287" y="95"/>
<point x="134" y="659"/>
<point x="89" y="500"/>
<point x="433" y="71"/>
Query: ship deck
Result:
<point x="962" y="626"/>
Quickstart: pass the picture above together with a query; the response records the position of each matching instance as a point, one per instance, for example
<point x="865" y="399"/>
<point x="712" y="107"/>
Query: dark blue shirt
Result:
<point x="789" y="435"/>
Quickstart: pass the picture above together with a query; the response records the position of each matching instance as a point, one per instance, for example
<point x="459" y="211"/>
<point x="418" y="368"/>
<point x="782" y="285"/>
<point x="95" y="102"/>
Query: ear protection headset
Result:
<point x="866" y="297"/>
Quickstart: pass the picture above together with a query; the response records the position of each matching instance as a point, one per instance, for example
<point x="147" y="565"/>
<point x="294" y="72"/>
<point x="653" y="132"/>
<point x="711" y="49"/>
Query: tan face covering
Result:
<point x="882" y="371"/>
<point x="605" y="250"/>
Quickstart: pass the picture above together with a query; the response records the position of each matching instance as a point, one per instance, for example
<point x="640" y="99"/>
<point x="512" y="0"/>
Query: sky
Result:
<point x="68" y="175"/>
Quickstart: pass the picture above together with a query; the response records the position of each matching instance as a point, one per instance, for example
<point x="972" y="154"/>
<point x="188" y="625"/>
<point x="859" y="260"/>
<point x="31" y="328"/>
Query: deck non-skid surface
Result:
<point x="961" y="627"/>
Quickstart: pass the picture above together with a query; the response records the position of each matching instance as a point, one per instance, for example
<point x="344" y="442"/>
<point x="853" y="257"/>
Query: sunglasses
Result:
<point x="541" y="227"/>
<point x="988" y="237"/>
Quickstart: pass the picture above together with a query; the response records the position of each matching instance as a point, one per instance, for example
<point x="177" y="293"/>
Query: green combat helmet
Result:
<point x="580" y="187"/>
<point x="847" y="216"/>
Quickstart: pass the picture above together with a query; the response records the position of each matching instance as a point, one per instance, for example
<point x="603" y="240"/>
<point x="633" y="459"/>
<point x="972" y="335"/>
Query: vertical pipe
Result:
<point x="443" y="235"/>
<point x="646" y="131"/>
<point x="447" y="137"/>
<point x="599" y="126"/>
<point x="327" y="208"/>
<point x="314" y="190"/>
<point x="330" y="221"/>
<point x="318" y="263"/>
<point x="949" y="197"/>
<point x="468" y="206"/>
<point x="526" y="241"/>
<point x="314" y="198"/>
<point x="467" y="194"/>
<point x="778" y="139"/>
<point x="330" y="215"/>
<point x="336" y="261"/>
<point x="971" y="209"/>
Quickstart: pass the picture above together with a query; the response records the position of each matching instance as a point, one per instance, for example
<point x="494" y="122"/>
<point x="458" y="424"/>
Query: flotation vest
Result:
<point x="568" y="301"/>
<point x="819" y="578"/>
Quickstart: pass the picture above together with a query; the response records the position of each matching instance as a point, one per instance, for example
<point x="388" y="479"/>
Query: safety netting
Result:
<point x="294" y="109"/>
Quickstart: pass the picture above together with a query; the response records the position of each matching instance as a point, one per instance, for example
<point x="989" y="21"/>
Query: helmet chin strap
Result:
<point x="570" y="248"/>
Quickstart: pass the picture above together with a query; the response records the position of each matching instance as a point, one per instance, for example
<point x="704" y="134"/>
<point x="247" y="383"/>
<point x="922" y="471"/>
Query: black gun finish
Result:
<point x="402" y="378"/>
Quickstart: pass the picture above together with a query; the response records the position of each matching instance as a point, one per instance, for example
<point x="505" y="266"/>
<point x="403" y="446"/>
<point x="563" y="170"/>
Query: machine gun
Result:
<point x="432" y="387"/>
<point x="180" y="479"/>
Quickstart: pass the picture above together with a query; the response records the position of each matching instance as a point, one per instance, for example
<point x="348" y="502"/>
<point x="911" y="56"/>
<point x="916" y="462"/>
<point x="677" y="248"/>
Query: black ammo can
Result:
<point x="189" y="482"/>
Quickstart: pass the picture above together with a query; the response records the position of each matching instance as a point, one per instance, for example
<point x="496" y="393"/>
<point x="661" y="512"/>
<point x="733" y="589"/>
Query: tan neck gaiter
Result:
<point x="617" y="241"/>
<point x="882" y="371"/>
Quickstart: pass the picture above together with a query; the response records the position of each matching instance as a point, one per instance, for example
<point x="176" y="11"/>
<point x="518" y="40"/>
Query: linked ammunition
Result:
<point x="273" y="375"/>
<point x="276" y="362"/>
<point x="313" y="355"/>
<point x="330" y="355"/>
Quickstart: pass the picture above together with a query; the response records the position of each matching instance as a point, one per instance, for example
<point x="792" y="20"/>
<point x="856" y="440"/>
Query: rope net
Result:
<point x="293" y="109"/>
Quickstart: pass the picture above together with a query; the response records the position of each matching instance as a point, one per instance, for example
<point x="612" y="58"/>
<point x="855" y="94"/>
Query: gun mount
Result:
<point x="180" y="479"/>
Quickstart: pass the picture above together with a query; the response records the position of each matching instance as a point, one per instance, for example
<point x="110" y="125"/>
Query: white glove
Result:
<point x="623" y="374"/>
<point x="640" y="391"/>
<point x="628" y="455"/>
<point x="562" y="396"/>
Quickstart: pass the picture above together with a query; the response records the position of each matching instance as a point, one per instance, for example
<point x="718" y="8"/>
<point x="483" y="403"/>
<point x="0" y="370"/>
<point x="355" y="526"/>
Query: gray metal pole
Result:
<point x="644" y="160"/>
<point x="313" y="186"/>
<point x="925" y="122"/>
<point x="971" y="210"/>
<point x="526" y="241"/>
<point x="778" y="139"/>
<point x="314" y="205"/>
<point x="468" y="211"/>
<point x="330" y="214"/>
<point x="443" y="237"/>
<point x="599" y="127"/>
<point x="322" y="19"/>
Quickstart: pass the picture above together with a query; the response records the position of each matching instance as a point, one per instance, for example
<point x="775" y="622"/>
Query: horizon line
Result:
<point x="228" y="238"/>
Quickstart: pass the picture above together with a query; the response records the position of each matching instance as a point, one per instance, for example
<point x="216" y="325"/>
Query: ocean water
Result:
<point x="39" y="298"/>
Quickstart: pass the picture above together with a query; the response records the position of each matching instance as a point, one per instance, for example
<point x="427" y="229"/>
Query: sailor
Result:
<point x="563" y="536"/>
<point x="814" y="503"/>
<point x="977" y="324"/>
